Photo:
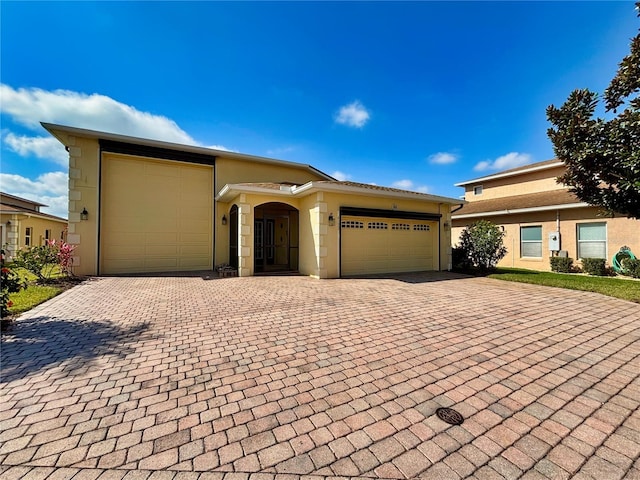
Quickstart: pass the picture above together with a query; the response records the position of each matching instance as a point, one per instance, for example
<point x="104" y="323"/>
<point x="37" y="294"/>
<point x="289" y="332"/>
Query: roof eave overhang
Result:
<point x="312" y="187"/>
<point x="520" y="210"/>
<point x="230" y="191"/>
<point x="56" y="131"/>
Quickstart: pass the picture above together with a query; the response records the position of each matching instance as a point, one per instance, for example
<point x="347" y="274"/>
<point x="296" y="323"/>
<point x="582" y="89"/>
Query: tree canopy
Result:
<point x="603" y="156"/>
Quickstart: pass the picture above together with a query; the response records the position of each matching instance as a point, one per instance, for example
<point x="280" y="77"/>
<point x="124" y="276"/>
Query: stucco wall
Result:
<point x="620" y="232"/>
<point x="533" y="182"/>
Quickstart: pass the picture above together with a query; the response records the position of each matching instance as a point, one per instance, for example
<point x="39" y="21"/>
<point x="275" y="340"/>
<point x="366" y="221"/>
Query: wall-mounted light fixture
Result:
<point x="224" y="219"/>
<point x="84" y="215"/>
<point x="446" y="225"/>
<point x="332" y="220"/>
<point x="8" y="223"/>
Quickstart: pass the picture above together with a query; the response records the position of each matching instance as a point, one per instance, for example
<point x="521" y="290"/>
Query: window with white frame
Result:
<point x="592" y="240"/>
<point x="477" y="190"/>
<point x="531" y="242"/>
<point x="28" y="233"/>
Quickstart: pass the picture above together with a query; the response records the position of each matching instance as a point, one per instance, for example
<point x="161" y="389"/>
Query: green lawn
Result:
<point x="626" y="289"/>
<point x="34" y="294"/>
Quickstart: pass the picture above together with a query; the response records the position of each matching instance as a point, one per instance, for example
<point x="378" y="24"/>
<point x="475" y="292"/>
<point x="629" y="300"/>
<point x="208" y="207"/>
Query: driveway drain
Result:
<point x="450" y="416"/>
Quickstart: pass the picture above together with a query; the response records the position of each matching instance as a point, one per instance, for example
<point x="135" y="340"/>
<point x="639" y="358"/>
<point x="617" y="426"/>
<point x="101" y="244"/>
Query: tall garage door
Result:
<point x="156" y="215"/>
<point x="387" y="245"/>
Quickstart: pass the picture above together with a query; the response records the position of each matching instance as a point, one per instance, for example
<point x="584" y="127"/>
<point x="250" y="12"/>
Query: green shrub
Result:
<point x="459" y="259"/>
<point x="482" y="244"/>
<point x="594" y="266"/>
<point x="11" y="283"/>
<point x="631" y="267"/>
<point x="561" y="264"/>
<point x="39" y="260"/>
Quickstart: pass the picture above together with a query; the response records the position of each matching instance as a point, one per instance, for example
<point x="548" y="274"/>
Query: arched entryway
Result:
<point x="276" y="234"/>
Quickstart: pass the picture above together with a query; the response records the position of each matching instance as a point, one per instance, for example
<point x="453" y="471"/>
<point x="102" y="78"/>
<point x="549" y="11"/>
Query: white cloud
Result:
<point x="505" y="162"/>
<point x="47" y="148"/>
<point x="404" y="184"/>
<point x="353" y="115"/>
<point x="49" y="188"/>
<point x="29" y="107"/>
<point x="407" y="184"/>
<point x="338" y="175"/>
<point x="443" y="158"/>
<point x="280" y="151"/>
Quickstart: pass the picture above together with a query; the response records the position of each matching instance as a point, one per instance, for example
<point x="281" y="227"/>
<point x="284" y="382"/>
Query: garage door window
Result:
<point x="352" y="224"/>
<point x="377" y="226"/>
<point x="592" y="240"/>
<point x="531" y="242"/>
<point x="400" y="226"/>
<point x="421" y="228"/>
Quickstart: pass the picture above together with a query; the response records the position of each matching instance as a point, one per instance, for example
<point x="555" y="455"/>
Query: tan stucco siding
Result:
<point x="620" y="232"/>
<point x="533" y="182"/>
<point x="84" y="170"/>
<point x="229" y="171"/>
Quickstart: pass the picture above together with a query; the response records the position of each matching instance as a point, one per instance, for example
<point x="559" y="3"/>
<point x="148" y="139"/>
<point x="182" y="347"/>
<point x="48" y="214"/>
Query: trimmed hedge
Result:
<point x="561" y="264"/>
<point x="631" y="267"/>
<point x="594" y="266"/>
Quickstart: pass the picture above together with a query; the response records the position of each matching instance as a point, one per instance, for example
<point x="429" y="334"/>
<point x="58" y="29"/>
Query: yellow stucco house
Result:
<point x="138" y="205"/>
<point x="541" y="218"/>
<point x="22" y="224"/>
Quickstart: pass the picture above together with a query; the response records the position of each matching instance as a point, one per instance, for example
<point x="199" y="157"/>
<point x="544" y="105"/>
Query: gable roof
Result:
<point x="532" y="167"/>
<point x="8" y="207"/>
<point x="531" y="202"/>
<point x="55" y="130"/>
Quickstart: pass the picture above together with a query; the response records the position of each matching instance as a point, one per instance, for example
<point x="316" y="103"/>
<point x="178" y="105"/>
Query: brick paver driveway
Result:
<point x="167" y="377"/>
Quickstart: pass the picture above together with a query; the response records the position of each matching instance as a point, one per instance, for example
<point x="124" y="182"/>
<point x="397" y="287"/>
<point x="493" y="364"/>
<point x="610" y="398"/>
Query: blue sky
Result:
<point x="413" y="95"/>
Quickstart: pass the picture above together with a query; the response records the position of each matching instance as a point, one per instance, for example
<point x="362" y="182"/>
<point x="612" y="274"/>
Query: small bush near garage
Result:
<point x="594" y="266"/>
<point x="561" y="264"/>
<point x="482" y="245"/>
<point x="631" y="267"/>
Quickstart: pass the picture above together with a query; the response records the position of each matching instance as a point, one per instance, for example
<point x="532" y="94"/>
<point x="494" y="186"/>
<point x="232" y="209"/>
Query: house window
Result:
<point x="47" y="234"/>
<point x="28" y="233"/>
<point x="531" y="242"/>
<point x="477" y="190"/>
<point x="592" y="240"/>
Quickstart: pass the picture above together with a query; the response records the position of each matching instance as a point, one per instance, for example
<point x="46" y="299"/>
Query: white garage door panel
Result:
<point x="369" y="250"/>
<point x="156" y="215"/>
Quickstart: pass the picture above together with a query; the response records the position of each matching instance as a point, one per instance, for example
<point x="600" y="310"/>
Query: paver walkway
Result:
<point x="265" y="376"/>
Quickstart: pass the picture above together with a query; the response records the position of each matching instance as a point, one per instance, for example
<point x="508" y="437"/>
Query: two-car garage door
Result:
<point x="371" y="245"/>
<point x="156" y="215"/>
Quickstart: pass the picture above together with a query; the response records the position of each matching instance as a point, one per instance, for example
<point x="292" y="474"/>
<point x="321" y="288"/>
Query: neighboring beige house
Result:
<point x="152" y="206"/>
<point x="22" y="224"/>
<point x="541" y="218"/>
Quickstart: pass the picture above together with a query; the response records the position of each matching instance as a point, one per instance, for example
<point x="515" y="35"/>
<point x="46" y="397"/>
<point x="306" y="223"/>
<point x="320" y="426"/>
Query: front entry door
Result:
<point x="272" y="243"/>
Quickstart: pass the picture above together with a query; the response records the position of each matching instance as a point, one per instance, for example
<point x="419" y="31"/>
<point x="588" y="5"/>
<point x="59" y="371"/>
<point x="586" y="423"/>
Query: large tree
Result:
<point x="603" y="156"/>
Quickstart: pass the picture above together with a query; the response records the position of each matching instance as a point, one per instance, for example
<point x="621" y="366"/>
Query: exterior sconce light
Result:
<point x="224" y="219"/>
<point x="332" y="220"/>
<point x="84" y="215"/>
<point x="8" y="223"/>
<point x="446" y="226"/>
